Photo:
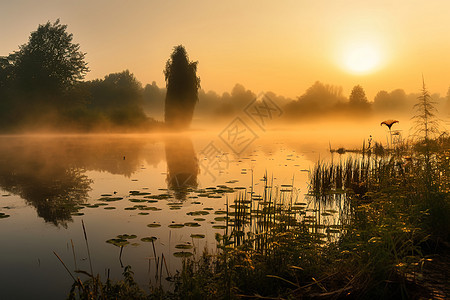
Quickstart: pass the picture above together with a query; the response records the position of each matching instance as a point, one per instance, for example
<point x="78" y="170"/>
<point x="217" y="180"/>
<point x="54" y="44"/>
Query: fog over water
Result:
<point x="49" y="183"/>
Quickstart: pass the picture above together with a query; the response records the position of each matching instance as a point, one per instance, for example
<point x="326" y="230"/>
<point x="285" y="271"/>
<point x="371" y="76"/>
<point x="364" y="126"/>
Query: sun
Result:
<point x="361" y="57"/>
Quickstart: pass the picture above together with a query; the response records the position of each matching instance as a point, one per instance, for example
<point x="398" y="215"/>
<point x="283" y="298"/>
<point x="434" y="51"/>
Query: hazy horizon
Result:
<point x="265" y="46"/>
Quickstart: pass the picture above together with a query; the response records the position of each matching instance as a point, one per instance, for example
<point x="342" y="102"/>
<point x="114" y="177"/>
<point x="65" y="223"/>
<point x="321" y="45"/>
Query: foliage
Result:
<point x="50" y="62"/>
<point x="395" y="101"/>
<point x="426" y="123"/>
<point x="41" y="88"/>
<point x="94" y="288"/>
<point x="358" y="99"/>
<point x="182" y="89"/>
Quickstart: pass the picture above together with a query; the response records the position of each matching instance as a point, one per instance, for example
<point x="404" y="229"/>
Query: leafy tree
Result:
<point x="182" y="89"/>
<point x="5" y="72"/>
<point x="118" y="98"/>
<point x="358" y="99"/>
<point x="50" y="62"/>
<point x="382" y="100"/>
<point x="116" y="90"/>
<point x="318" y="100"/>
<point x="154" y="98"/>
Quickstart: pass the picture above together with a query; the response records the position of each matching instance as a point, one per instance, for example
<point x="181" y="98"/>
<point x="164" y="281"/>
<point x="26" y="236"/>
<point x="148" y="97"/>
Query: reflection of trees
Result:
<point x="54" y="192"/>
<point x="182" y="166"/>
<point x="49" y="173"/>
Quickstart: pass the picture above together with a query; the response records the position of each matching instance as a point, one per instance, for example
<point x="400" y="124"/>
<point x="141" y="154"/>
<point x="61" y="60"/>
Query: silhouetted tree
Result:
<point x="50" y="62"/>
<point x="6" y="71"/>
<point x="182" y="89"/>
<point x="426" y="124"/>
<point x="358" y="99"/>
<point x="382" y="100"/>
<point x="35" y="80"/>
<point x="319" y="99"/>
<point x="154" y="98"/>
<point x="395" y="101"/>
<point x="118" y="99"/>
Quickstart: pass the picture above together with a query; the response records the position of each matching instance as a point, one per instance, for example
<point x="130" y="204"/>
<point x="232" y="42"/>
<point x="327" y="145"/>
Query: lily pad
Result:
<point x="138" y="193"/>
<point x="192" y="224"/>
<point x="198" y="213"/>
<point x="176" y="225"/>
<point x="197" y="236"/>
<point x="152" y="208"/>
<point x="109" y="207"/>
<point x="153" y="225"/>
<point x="143" y="213"/>
<point x="137" y="200"/>
<point x="127" y="236"/>
<point x="219" y="227"/>
<point x="118" y="242"/>
<point x="182" y="254"/>
<point x="110" y="199"/>
<point x="149" y="239"/>
<point x="130" y="208"/>
<point x="199" y="219"/>
<point x="183" y="246"/>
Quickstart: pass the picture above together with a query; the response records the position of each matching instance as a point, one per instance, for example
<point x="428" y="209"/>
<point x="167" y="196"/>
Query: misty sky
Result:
<point x="282" y="46"/>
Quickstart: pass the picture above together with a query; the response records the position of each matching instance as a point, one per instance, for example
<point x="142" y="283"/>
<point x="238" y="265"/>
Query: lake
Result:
<point x="173" y="187"/>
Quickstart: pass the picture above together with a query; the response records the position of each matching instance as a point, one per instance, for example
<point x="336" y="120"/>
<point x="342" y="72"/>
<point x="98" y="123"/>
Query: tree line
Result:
<point x="42" y="87"/>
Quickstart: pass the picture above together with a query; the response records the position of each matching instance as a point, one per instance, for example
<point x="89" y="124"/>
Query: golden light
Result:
<point x="361" y="57"/>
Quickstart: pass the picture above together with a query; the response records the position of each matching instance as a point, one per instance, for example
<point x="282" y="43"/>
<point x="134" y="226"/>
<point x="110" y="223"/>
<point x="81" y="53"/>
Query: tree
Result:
<point x="50" y="62"/>
<point x="318" y="100"/>
<point x="382" y="101"/>
<point x="154" y="98"/>
<point x="182" y="89"/>
<point x="118" y="98"/>
<point x="358" y="99"/>
<point x="426" y="123"/>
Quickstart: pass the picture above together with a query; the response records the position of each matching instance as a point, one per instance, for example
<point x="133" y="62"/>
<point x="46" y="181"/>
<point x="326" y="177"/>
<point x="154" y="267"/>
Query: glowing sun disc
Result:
<point x="362" y="58"/>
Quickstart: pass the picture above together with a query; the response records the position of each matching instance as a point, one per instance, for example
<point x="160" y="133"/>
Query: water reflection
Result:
<point x="54" y="190"/>
<point x="50" y="173"/>
<point x="182" y="166"/>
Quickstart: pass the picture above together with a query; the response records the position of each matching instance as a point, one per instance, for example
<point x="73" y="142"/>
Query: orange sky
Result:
<point x="280" y="46"/>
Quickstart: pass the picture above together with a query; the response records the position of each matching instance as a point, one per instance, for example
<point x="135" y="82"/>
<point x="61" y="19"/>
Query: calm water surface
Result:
<point x="49" y="184"/>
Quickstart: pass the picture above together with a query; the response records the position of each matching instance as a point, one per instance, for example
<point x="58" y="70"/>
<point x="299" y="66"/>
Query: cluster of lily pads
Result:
<point x="123" y="240"/>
